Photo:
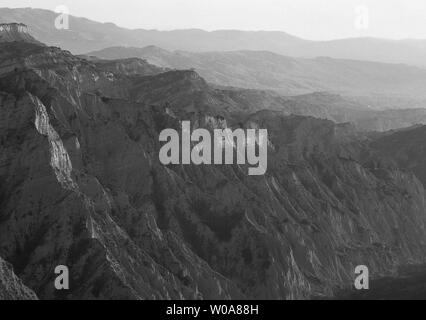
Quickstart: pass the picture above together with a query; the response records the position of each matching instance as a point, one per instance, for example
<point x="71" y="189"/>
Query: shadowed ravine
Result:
<point x="408" y="284"/>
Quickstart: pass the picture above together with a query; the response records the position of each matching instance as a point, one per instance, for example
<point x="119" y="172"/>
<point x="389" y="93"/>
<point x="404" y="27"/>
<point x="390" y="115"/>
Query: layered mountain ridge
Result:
<point x="85" y="35"/>
<point x="405" y="148"/>
<point x="288" y="75"/>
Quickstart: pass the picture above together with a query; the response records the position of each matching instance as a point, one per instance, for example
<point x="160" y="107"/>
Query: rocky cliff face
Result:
<point x="81" y="186"/>
<point x="130" y="67"/>
<point x="11" y="287"/>
<point x="10" y="32"/>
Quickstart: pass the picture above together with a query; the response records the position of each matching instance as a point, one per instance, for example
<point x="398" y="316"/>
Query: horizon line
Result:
<point x="222" y="30"/>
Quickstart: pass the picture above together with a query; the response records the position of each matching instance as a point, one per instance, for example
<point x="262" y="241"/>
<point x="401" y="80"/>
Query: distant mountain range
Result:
<point x="406" y="148"/>
<point x="287" y="75"/>
<point x="85" y="35"/>
<point x="11" y="287"/>
<point x="188" y="92"/>
<point x="257" y="60"/>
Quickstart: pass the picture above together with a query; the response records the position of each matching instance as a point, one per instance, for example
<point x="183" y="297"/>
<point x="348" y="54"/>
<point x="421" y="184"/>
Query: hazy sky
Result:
<point x="311" y="19"/>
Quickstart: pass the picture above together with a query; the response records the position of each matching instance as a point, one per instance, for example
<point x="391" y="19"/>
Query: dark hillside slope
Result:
<point x="81" y="185"/>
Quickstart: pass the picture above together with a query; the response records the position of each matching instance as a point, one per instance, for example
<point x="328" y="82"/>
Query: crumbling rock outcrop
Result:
<point x="11" y="32"/>
<point x="11" y="287"/>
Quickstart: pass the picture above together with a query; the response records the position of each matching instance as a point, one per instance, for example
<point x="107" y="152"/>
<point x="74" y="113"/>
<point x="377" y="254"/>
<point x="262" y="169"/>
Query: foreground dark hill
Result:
<point x="291" y="76"/>
<point x="81" y="186"/>
<point x="86" y="35"/>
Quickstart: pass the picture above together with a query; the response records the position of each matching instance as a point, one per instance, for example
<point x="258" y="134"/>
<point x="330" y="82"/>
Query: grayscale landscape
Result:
<point x="82" y="185"/>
